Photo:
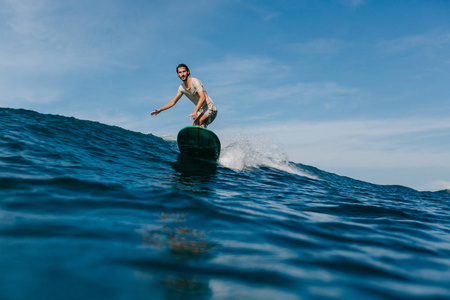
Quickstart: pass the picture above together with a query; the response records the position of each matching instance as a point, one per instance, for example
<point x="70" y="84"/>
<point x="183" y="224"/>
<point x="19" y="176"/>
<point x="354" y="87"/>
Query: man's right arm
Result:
<point x="168" y="104"/>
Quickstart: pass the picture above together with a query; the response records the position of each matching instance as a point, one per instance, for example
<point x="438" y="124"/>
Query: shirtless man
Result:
<point x="205" y="111"/>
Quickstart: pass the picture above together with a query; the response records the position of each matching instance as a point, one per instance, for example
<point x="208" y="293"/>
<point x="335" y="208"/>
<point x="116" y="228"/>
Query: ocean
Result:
<point x="91" y="211"/>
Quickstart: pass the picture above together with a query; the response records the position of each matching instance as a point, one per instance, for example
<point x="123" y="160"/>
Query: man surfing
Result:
<point x="205" y="111"/>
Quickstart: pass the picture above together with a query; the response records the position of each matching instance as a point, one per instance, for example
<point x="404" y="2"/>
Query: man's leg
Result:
<point x="200" y="120"/>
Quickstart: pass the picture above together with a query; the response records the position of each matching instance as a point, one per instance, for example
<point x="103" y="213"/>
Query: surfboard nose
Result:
<point x="198" y="142"/>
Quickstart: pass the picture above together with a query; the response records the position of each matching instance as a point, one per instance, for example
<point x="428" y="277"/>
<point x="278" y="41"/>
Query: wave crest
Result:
<point x="240" y="153"/>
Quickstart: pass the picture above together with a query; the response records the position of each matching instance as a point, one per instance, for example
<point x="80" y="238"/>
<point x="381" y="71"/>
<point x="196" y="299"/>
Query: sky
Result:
<point x="359" y="88"/>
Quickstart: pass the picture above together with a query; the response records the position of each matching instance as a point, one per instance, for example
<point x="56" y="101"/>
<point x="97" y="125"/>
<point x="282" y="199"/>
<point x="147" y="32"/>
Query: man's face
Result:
<point x="183" y="73"/>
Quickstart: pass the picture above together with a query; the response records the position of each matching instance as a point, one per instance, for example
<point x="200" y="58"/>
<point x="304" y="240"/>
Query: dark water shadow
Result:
<point x="187" y="166"/>
<point x="193" y="174"/>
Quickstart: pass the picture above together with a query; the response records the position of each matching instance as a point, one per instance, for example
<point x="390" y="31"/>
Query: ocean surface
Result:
<point x="91" y="211"/>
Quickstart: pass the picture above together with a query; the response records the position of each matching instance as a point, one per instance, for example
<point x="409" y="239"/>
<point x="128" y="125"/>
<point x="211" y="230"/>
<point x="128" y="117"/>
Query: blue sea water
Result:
<point x="90" y="211"/>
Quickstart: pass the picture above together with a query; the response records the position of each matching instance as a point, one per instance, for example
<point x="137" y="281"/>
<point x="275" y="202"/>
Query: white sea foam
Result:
<point x="169" y="138"/>
<point x="239" y="153"/>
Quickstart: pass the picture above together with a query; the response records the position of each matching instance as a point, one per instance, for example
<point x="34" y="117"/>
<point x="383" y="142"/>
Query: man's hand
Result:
<point x="155" y="112"/>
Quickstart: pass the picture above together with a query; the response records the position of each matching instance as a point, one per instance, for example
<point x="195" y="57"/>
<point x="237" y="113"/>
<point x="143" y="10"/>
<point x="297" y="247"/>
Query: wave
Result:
<point x="107" y="210"/>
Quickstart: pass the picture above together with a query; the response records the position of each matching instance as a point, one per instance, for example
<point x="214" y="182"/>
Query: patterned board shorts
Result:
<point x="211" y="114"/>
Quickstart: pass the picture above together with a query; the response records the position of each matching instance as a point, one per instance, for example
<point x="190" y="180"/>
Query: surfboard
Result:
<point x="198" y="142"/>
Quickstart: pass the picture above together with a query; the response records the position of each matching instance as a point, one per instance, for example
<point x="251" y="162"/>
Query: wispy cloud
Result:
<point x="353" y="3"/>
<point x="57" y="37"/>
<point x="431" y="42"/>
<point x="259" y="88"/>
<point x="15" y="94"/>
<point x="47" y="44"/>
<point x="265" y="76"/>
<point x="263" y="11"/>
<point x="322" y="92"/>
<point x="319" y="46"/>
<point x="236" y="79"/>
<point x="235" y="69"/>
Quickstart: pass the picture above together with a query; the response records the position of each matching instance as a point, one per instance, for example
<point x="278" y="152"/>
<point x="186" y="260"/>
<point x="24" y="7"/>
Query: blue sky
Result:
<point x="358" y="88"/>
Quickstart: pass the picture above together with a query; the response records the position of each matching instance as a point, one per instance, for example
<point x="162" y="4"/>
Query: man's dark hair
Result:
<point x="184" y="66"/>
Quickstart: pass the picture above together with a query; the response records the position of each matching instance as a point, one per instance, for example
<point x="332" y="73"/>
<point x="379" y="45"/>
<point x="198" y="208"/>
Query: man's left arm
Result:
<point x="202" y="99"/>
